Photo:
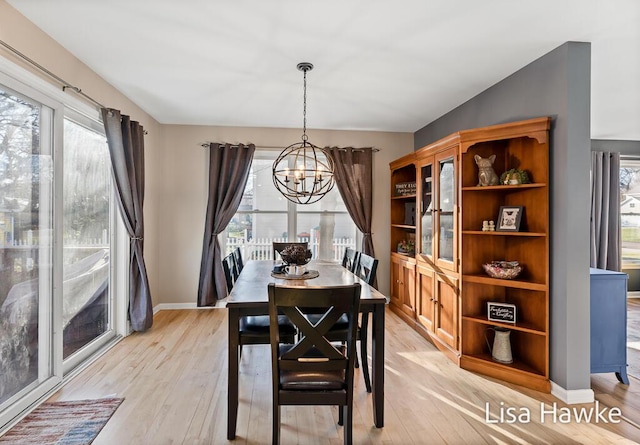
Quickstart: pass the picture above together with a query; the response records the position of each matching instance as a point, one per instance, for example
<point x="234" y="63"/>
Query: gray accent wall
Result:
<point x="558" y="85"/>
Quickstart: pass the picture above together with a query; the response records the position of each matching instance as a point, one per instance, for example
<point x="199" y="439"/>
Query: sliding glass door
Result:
<point x="86" y="303"/>
<point x="26" y="243"/>
<point x="57" y="232"/>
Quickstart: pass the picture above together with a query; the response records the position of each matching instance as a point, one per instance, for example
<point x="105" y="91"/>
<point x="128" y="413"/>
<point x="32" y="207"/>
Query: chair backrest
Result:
<point x="367" y="267"/>
<point x="237" y="256"/>
<point x="230" y="271"/>
<point x="313" y="352"/>
<point x="278" y="247"/>
<point x="350" y="259"/>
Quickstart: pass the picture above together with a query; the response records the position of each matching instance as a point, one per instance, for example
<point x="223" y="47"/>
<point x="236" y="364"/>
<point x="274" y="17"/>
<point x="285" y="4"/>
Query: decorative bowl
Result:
<point x="296" y="255"/>
<point x="507" y="270"/>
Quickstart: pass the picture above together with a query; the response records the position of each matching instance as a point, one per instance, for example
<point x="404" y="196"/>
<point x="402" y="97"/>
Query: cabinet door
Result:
<point x="445" y="209"/>
<point x="403" y="286"/>
<point x="427" y="215"/>
<point x="409" y="291"/>
<point x="396" y="287"/>
<point x="425" y="307"/>
<point x="446" y="309"/>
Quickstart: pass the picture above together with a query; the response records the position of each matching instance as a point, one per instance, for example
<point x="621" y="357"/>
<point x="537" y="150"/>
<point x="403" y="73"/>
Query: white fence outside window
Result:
<point x="262" y="248"/>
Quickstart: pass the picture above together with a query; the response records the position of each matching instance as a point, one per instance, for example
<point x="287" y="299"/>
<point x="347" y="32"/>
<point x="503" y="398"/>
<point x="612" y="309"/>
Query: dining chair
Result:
<point x="230" y="271"/>
<point x="237" y="256"/>
<point x="368" y="274"/>
<point x="253" y="329"/>
<point x="350" y="259"/>
<point x="313" y="370"/>
<point x="278" y="247"/>
<point x="366" y="270"/>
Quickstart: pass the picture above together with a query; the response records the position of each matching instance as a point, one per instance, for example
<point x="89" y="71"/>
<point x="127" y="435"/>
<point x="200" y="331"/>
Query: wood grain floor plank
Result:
<point x="174" y="378"/>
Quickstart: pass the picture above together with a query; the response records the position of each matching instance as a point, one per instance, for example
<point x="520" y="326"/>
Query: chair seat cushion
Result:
<point x="312" y="381"/>
<point x="259" y="325"/>
<point x="317" y="380"/>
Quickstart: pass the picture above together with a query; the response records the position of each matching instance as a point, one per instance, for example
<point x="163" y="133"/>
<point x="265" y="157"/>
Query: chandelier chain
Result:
<point x="304" y="108"/>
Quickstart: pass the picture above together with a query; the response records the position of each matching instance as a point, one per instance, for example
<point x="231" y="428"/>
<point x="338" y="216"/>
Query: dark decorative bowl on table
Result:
<point x="507" y="270"/>
<point x="297" y="255"/>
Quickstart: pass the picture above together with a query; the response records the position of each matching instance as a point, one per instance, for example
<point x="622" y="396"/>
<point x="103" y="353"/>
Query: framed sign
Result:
<point x="504" y="312"/>
<point x="405" y="188"/>
<point x="509" y="218"/>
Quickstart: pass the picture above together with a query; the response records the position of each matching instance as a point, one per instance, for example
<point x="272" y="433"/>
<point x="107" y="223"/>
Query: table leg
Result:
<point x="377" y="353"/>
<point x="232" y="378"/>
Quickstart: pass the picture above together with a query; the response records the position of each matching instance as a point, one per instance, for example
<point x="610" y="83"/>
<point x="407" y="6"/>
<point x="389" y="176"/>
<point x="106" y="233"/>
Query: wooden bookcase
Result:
<point x="403" y="171"/>
<point x="523" y="145"/>
<point x="465" y="334"/>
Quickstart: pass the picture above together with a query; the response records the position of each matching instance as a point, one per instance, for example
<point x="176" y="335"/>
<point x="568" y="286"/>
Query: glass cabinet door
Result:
<point x="427" y="215"/>
<point x="445" y="207"/>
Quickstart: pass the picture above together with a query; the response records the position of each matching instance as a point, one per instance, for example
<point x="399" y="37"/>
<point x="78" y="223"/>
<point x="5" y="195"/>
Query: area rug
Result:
<point x="75" y="422"/>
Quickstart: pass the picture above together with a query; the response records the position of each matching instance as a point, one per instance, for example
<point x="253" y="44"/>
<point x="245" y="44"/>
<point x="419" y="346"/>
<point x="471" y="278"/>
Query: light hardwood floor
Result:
<point x="174" y="380"/>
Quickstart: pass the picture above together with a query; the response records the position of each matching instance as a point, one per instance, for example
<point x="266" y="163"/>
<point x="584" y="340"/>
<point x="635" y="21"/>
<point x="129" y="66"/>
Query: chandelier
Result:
<point x="303" y="172"/>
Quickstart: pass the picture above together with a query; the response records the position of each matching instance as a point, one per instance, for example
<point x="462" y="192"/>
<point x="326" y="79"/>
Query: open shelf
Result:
<point x="506" y="188"/>
<point x="517" y="365"/>
<point x="499" y="233"/>
<point x="483" y="279"/>
<point x="413" y="196"/>
<point x="520" y="326"/>
<point x="403" y="226"/>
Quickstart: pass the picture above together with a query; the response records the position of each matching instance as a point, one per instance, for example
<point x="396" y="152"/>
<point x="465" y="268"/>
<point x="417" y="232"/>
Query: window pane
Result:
<point x="254" y="233"/>
<point x="328" y="234"/>
<point x="630" y="212"/>
<point x="260" y="193"/>
<point x="264" y="216"/>
<point x="25" y="242"/>
<point x="87" y="183"/>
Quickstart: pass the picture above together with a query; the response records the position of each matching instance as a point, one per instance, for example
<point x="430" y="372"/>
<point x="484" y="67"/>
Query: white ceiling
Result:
<point x="379" y="65"/>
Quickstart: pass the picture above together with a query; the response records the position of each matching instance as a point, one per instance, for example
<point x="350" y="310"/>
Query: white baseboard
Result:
<point x="173" y="306"/>
<point x="572" y="396"/>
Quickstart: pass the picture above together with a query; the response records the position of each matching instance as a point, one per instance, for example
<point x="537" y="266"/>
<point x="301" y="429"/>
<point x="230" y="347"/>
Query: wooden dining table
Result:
<point x="249" y="297"/>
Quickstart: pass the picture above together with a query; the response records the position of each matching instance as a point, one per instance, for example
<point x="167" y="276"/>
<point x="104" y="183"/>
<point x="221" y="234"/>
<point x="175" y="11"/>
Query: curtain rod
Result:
<point x="65" y="85"/>
<point x="207" y="144"/>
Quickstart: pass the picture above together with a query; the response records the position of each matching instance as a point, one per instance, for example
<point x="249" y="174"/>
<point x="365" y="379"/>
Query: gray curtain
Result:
<point x="354" y="178"/>
<point x="125" y="139"/>
<point x="229" y="167"/>
<point x="605" y="211"/>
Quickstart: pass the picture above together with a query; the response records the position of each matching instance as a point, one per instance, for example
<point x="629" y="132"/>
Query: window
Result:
<point x="26" y="223"/>
<point x="86" y="234"/>
<point x="629" y="215"/>
<point x="265" y="216"/>
<point x="57" y="226"/>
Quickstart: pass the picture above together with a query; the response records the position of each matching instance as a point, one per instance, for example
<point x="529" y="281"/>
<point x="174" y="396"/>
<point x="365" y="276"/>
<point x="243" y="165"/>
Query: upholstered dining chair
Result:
<point x="350" y="259"/>
<point x="237" y="256"/>
<point x="278" y="247"/>
<point x="368" y="274"/>
<point x="313" y="370"/>
<point x="366" y="270"/>
<point x="230" y="271"/>
<point x="253" y="329"/>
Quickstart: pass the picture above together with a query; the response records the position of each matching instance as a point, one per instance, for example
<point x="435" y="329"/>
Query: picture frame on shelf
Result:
<point x="502" y="312"/>
<point x="410" y="213"/>
<point x="509" y="218"/>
